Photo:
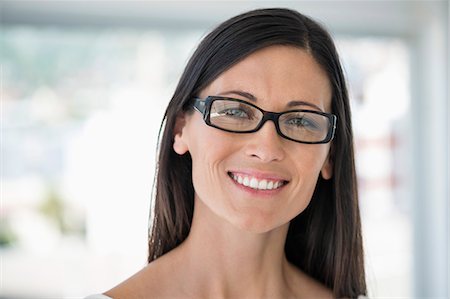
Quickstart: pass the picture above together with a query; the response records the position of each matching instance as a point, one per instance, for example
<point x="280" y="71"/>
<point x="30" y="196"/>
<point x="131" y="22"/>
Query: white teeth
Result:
<point x="262" y="185"/>
<point x="254" y="183"/>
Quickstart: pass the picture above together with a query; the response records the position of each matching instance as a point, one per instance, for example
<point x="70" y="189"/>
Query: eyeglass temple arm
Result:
<point x="199" y="105"/>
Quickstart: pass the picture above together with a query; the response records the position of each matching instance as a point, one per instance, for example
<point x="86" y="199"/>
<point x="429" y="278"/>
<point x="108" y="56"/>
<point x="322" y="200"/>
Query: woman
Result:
<point x="256" y="190"/>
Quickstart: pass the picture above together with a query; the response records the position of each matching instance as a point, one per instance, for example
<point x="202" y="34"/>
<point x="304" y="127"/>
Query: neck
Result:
<point x="225" y="261"/>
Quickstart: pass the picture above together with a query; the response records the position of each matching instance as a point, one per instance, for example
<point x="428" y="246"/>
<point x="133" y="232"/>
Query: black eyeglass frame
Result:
<point x="204" y="107"/>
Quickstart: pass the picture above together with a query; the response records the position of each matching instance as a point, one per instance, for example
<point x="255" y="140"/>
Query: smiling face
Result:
<point x="280" y="174"/>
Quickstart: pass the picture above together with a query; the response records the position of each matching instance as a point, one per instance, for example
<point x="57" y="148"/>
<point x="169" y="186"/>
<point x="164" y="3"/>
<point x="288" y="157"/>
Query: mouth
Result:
<point x="257" y="183"/>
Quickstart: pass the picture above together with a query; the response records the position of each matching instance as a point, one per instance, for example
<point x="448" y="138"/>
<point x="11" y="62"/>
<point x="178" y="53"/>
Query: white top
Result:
<point x="101" y="296"/>
<point x="98" y="296"/>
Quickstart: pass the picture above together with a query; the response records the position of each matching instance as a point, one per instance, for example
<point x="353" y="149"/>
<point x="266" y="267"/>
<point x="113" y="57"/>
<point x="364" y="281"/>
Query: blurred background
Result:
<point x="84" y="85"/>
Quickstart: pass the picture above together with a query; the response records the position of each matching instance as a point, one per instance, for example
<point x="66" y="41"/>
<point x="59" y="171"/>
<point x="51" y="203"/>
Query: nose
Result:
<point x="265" y="144"/>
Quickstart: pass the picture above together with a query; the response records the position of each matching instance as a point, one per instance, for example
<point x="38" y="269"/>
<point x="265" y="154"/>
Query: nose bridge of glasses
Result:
<point x="266" y="116"/>
<point x="270" y="116"/>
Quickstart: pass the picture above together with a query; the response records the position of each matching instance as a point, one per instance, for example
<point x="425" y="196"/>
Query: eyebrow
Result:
<point x="252" y="98"/>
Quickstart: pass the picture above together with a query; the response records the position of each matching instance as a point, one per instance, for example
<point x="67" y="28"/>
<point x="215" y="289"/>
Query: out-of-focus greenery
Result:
<point x="65" y="60"/>
<point x="66" y="220"/>
<point x="7" y="236"/>
<point x="53" y="208"/>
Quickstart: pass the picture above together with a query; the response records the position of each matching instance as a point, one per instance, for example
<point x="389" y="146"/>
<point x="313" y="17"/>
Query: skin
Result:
<point x="235" y="248"/>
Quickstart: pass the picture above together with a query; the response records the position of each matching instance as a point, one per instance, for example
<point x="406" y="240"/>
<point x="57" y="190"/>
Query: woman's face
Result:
<point x="273" y="77"/>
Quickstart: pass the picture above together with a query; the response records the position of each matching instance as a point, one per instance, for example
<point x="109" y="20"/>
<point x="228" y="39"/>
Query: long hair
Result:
<point x="325" y="239"/>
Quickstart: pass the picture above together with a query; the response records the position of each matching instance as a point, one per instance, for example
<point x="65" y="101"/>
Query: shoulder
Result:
<point x="136" y="286"/>
<point x="150" y="282"/>
<point x="303" y="285"/>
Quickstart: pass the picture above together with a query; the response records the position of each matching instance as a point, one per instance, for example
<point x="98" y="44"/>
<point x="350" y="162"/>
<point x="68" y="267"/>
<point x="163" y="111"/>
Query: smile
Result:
<point x="257" y="184"/>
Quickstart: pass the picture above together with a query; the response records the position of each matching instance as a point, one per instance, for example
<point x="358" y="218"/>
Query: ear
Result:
<point x="179" y="144"/>
<point x="327" y="168"/>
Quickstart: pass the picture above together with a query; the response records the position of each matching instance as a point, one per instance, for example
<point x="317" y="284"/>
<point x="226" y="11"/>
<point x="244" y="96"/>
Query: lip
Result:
<point x="260" y="176"/>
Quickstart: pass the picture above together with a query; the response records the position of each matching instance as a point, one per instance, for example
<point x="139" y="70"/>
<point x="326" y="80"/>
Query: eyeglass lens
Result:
<point x="240" y="117"/>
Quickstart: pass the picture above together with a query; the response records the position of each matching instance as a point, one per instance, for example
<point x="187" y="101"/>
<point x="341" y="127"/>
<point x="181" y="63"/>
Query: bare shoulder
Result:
<point x="146" y="283"/>
<point x="135" y="286"/>
<point x="304" y="286"/>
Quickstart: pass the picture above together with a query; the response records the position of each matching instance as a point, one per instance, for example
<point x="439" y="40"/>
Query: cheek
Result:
<point x="312" y="159"/>
<point x="307" y="160"/>
<point x="308" y="164"/>
<point x="208" y="155"/>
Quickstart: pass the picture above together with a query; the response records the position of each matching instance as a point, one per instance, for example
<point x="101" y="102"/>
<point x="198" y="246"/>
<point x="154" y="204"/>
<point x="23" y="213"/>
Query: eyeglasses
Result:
<point x="238" y="116"/>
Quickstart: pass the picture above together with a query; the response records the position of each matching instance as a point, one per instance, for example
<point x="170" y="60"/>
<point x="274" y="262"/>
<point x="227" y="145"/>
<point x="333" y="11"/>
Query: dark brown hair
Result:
<point x="325" y="239"/>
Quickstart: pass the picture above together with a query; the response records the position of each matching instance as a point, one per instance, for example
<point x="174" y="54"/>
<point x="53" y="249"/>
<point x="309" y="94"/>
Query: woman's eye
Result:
<point x="302" y="122"/>
<point x="235" y="112"/>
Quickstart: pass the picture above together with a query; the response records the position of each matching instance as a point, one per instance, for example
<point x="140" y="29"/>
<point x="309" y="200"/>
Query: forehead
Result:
<point x="277" y="75"/>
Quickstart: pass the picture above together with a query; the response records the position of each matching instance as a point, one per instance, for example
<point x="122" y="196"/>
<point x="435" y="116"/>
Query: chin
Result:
<point x="256" y="225"/>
